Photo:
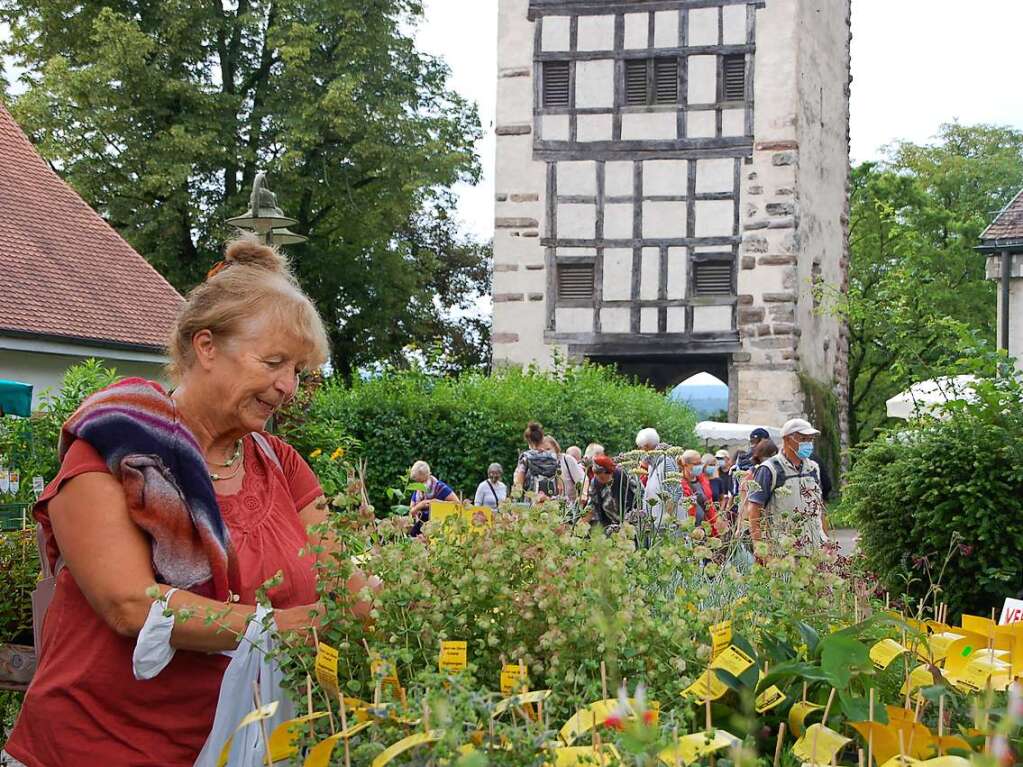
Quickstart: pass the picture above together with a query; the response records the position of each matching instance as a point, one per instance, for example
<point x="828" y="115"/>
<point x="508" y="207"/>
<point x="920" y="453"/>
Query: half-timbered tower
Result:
<point x="671" y="185"/>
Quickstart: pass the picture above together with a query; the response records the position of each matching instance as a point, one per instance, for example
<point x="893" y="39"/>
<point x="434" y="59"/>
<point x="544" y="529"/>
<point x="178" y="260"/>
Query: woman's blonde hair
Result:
<point x="253" y="280"/>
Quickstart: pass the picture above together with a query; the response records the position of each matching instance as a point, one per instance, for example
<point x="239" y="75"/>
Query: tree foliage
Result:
<point x="161" y="113"/>
<point x="914" y="276"/>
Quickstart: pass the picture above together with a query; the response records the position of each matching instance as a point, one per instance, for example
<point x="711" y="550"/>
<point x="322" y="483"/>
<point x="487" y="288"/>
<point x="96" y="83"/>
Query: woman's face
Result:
<point x="255" y="373"/>
<point x="494" y="475"/>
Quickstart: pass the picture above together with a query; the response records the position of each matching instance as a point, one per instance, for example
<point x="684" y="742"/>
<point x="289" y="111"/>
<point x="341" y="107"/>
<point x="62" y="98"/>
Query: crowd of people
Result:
<point x="761" y="491"/>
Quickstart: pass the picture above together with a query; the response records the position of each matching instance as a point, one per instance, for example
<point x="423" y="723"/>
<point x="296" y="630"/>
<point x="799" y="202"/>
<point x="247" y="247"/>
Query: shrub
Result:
<point x="460" y="425"/>
<point x="912" y="489"/>
<point x="30" y="444"/>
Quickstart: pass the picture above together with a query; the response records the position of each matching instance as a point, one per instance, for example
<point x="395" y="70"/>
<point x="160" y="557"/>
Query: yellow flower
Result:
<point x="316" y="453"/>
<point x="337" y="454"/>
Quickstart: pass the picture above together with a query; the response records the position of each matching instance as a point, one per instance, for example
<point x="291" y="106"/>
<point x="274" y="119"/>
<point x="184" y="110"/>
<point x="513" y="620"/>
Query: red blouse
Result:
<point x="84" y="705"/>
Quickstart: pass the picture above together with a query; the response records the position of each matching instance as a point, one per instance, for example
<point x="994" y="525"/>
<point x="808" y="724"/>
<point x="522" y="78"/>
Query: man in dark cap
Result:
<point x="612" y="494"/>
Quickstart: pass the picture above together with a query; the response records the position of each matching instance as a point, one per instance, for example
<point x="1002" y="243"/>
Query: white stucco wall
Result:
<point x="44" y="370"/>
<point x="994" y="272"/>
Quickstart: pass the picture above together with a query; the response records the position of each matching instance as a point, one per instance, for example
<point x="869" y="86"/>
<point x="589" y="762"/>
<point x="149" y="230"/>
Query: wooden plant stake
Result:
<point x="597" y="747"/>
<point x="804" y="692"/>
<point x="916" y="718"/>
<point x="710" y="722"/>
<point x="778" y="743"/>
<point x="941" y="724"/>
<point x="902" y="748"/>
<point x="603" y="679"/>
<point x="262" y="723"/>
<point x="859" y="758"/>
<point x="344" y="727"/>
<point x="309" y="694"/>
<point x="674" y="739"/>
<point x="870" y="735"/>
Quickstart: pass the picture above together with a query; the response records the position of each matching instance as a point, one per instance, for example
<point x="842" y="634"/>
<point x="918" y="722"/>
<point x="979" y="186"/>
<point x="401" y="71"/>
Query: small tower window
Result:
<point x="555" y="84"/>
<point x="712" y="278"/>
<point x="733" y="78"/>
<point x="651" y="81"/>
<point x="575" y="282"/>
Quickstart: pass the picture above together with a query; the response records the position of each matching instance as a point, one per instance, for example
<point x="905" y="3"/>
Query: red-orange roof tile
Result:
<point x="64" y="272"/>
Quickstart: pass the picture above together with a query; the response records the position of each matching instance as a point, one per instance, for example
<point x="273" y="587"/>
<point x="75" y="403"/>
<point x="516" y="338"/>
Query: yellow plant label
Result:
<point x="326" y="668"/>
<point x="441" y="511"/>
<point x="706" y="687"/>
<point x="720" y="637"/>
<point x="513" y="678"/>
<point x="770" y="698"/>
<point x="798" y="714"/>
<point x="884" y="652"/>
<point x="884" y="738"/>
<point x="973" y="678"/>
<point x="259" y="714"/>
<point x="979" y="625"/>
<point x="819" y="744"/>
<point x="453" y="656"/>
<point x="733" y="660"/>
<point x="319" y="755"/>
<point x="940" y="642"/>
<point x="524" y="699"/>
<point x="406" y="744"/>
<point x="585" y="719"/>
<point x="689" y="748"/>
<point x="284" y="738"/>
<point x="919" y="677"/>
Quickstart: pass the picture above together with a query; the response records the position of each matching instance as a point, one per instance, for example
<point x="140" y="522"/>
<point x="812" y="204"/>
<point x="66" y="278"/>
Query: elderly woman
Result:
<point x="491" y="491"/>
<point x="419" y="503"/>
<point x="184" y="490"/>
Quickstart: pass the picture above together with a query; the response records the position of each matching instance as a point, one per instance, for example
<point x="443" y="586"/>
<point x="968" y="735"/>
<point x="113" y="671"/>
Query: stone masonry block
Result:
<point x="776" y="260"/>
<point x="756" y="244"/>
<point x="779" y="297"/>
<point x="749" y="262"/>
<point x="784" y="158"/>
<point x="505" y="338"/>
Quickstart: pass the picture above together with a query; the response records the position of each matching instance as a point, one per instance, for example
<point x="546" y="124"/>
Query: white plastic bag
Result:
<point x="153" y="649"/>
<point x="248" y="664"/>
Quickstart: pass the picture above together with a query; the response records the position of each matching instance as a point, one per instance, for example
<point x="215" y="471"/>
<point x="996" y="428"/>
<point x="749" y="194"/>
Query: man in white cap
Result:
<point x="648" y="440"/>
<point x="788" y="502"/>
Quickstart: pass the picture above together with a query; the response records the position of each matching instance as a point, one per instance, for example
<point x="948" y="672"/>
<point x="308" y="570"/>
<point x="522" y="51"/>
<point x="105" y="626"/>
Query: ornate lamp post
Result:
<point x="264" y="217"/>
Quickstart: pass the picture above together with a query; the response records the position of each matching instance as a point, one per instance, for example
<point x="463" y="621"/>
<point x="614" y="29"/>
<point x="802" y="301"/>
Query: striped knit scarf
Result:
<point x="133" y="424"/>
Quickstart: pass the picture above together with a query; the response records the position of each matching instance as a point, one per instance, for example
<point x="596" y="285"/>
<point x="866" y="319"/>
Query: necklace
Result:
<point x="218" y="477"/>
<point x="230" y="461"/>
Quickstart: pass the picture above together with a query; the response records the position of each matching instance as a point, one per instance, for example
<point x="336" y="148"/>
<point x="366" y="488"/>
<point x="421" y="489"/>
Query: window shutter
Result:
<point x="555" y="84"/>
<point x="575" y="282"/>
<point x="734" y="76"/>
<point x="635" y="81"/>
<point x="666" y="81"/>
<point x="712" y="278"/>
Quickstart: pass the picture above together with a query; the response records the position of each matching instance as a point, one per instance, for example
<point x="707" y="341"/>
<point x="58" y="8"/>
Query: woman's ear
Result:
<point x="204" y="348"/>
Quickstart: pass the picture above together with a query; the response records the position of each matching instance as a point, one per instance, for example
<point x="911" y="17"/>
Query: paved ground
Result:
<point x="847" y="540"/>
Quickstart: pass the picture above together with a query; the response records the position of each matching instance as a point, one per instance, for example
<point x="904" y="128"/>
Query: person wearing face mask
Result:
<point x="788" y="499"/>
<point x="696" y="491"/>
<point x="491" y="491"/>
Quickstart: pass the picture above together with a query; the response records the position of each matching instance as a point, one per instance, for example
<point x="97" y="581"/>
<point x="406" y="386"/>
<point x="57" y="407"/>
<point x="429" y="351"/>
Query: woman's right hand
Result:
<point x="300" y="620"/>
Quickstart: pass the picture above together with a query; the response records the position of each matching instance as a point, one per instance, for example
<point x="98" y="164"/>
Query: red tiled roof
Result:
<point x="1008" y="225"/>
<point x="64" y="272"/>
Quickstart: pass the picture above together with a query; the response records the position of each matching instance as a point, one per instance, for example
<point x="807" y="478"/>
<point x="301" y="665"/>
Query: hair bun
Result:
<point x="248" y="250"/>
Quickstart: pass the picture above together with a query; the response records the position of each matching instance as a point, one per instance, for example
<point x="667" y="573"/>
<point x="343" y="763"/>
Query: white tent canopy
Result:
<point x="731" y="434"/>
<point x="930" y="397"/>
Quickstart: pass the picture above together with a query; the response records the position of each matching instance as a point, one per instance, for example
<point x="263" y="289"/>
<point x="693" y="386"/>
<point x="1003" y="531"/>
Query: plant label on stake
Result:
<point x="513" y="679"/>
<point x="15" y="480"/>
<point x="770" y="698"/>
<point x="5" y="480"/>
<point x="326" y="669"/>
<point x="720" y="637"/>
<point x="733" y="660"/>
<point x="453" y="656"/>
<point x="38" y="485"/>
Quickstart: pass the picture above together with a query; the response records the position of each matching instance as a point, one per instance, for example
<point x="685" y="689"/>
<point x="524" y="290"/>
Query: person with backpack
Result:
<point x="491" y="491"/>
<point x="570" y="473"/>
<point x="788" y="501"/>
<point x="537" y="468"/>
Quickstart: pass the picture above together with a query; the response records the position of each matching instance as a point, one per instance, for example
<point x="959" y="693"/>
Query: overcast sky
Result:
<point x="916" y="64"/>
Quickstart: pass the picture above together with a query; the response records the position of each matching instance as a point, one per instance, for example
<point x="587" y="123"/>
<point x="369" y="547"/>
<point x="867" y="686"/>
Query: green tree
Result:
<point x="914" y="279"/>
<point x="160" y="114"/>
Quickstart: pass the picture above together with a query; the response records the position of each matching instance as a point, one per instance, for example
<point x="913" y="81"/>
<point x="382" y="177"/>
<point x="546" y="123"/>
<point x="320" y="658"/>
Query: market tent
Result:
<point x="930" y="397"/>
<point x="714" y="432"/>
<point x="15" y="398"/>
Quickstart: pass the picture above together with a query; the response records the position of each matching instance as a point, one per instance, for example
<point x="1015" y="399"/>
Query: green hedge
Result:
<point x="460" y="425"/>
<point x="911" y="490"/>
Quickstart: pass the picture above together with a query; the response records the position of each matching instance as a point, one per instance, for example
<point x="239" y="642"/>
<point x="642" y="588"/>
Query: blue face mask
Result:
<point x="697" y="470"/>
<point x="804" y="450"/>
